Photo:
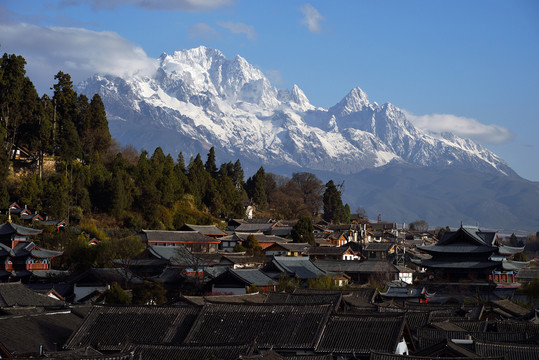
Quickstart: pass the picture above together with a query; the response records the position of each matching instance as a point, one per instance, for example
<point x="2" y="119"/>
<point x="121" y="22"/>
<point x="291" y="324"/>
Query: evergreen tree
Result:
<point x="29" y="112"/>
<point x="99" y="126"/>
<point x="181" y="163"/>
<point x="30" y="191"/>
<point x="119" y="201"/>
<point x="256" y="188"/>
<point x="347" y="214"/>
<point x="12" y="81"/>
<point x="303" y="231"/>
<point x="67" y="137"/>
<point x="56" y="196"/>
<point x="198" y="180"/>
<point x="230" y="195"/>
<point x="238" y="174"/>
<point x="4" y="171"/>
<point x="210" y="165"/>
<point x="45" y="124"/>
<point x="333" y="207"/>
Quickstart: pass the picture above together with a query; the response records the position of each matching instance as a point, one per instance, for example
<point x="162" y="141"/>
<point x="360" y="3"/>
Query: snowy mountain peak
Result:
<point x="355" y="101"/>
<point x="199" y="98"/>
<point x="295" y="98"/>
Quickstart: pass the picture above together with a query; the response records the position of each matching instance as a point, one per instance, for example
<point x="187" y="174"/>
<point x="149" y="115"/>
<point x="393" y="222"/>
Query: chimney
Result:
<point x="379" y="218"/>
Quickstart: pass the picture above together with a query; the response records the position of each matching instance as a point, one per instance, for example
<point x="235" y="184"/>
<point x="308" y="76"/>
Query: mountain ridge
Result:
<point x="198" y="99"/>
<point x="231" y="104"/>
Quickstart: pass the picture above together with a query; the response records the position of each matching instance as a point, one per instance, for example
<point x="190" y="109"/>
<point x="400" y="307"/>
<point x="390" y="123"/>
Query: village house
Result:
<point x="21" y="258"/>
<point x="332" y="253"/>
<point x="242" y="281"/>
<point x="288" y="249"/>
<point x="192" y="240"/>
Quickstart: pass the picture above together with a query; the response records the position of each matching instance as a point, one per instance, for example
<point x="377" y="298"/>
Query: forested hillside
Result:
<point x="92" y="175"/>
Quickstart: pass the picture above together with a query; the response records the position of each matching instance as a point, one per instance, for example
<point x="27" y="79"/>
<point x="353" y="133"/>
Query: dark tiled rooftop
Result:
<point x="111" y="327"/>
<point x="361" y="334"/>
<point x="277" y="326"/>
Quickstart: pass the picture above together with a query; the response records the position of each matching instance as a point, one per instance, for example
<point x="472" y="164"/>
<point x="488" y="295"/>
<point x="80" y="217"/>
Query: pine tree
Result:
<point x="4" y="171"/>
<point x="198" y="179"/>
<point x="67" y="138"/>
<point x="303" y="231"/>
<point x="256" y="188"/>
<point x="238" y="174"/>
<point x="210" y="165"/>
<point x="333" y="207"/>
<point x="12" y="81"/>
<point x="99" y="125"/>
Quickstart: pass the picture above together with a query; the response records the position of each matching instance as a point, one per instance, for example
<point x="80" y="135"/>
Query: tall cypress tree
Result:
<point x="210" y="165"/>
<point x="4" y="171"/>
<point x="67" y="137"/>
<point x="256" y="188"/>
<point x="12" y="81"/>
<point x="99" y="125"/>
<point x="333" y="207"/>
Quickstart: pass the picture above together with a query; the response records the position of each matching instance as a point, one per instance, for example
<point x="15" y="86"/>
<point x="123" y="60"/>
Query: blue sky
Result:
<point x="468" y="66"/>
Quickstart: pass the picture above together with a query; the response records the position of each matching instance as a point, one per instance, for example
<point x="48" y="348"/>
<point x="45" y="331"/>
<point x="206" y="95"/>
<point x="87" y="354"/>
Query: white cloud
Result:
<point x="171" y="5"/>
<point x="312" y="18"/>
<point x="461" y="126"/>
<point x="274" y="77"/>
<point x="203" y="31"/>
<point x="240" y="28"/>
<point x="78" y="52"/>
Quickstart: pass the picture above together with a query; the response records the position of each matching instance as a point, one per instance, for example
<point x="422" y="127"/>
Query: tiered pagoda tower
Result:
<point x="470" y="254"/>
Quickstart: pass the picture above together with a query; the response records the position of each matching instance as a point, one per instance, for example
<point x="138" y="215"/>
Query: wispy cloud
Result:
<point x="203" y="31"/>
<point x="79" y="52"/>
<point x="312" y="18"/>
<point x="240" y="28"/>
<point x="274" y="77"/>
<point x="461" y="126"/>
<point x="170" y="5"/>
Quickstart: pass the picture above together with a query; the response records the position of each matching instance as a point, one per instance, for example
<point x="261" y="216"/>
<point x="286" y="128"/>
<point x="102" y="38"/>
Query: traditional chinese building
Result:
<point x="470" y="254"/>
<point x="21" y="258"/>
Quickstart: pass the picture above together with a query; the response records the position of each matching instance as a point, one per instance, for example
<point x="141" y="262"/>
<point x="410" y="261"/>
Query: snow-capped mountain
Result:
<point x="197" y="99"/>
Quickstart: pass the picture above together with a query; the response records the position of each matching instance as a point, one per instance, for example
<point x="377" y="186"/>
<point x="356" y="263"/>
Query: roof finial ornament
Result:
<point x="9" y="215"/>
<point x="461" y="224"/>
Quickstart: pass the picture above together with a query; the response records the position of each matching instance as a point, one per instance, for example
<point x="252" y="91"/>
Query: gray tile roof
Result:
<point x="382" y="356"/>
<point x="378" y="246"/>
<point x="253" y="276"/>
<point x="320" y="298"/>
<point x="354" y="334"/>
<point x="175" y="236"/>
<point x="23" y="334"/>
<point x="301" y="267"/>
<point x="291" y="246"/>
<point x="261" y="237"/>
<point x="191" y="352"/>
<point x="327" y="251"/>
<point x="17" y="294"/>
<point x="45" y="254"/>
<point x="255" y="227"/>
<point x="271" y="326"/>
<point x="507" y="351"/>
<point x="204" y="229"/>
<point x="356" y="266"/>
<point x="429" y="337"/>
<point x="12" y="228"/>
<point x="113" y="327"/>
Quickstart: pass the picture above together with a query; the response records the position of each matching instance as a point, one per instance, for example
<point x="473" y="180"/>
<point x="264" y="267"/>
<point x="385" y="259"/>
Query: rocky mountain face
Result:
<point x="198" y="99"/>
<point x="200" y="95"/>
